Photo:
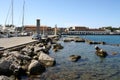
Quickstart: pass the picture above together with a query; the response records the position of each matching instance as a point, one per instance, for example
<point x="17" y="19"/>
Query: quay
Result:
<point x="6" y="43"/>
<point x="13" y="42"/>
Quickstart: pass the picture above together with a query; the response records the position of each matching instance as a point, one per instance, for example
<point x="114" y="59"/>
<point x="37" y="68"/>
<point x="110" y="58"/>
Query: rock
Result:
<point x="45" y="49"/>
<point x="8" y="65"/>
<point x="4" y="68"/>
<point x="37" y="49"/>
<point x="35" y="68"/>
<point x="46" y="59"/>
<point x="114" y="53"/>
<point x="20" y="56"/>
<point x="74" y="58"/>
<point x="6" y="53"/>
<point x="40" y="45"/>
<point x="103" y="43"/>
<point x="57" y="46"/>
<point x="101" y="53"/>
<point x="29" y="50"/>
<point x="67" y="40"/>
<point x="35" y="57"/>
<point x="94" y="42"/>
<point x="19" y="72"/>
<point x="55" y="50"/>
<point x="79" y="40"/>
<point x="4" y="77"/>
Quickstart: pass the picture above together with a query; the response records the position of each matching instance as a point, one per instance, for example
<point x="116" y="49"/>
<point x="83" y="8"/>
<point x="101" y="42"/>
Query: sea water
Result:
<point x="90" y="66"/>
<point x="110" y="39"/>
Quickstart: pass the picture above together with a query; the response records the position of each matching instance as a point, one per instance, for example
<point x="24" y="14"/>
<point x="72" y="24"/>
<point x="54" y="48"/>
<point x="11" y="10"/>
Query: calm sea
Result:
<point x="90" y="66"/>
<point x="110" y="39"/>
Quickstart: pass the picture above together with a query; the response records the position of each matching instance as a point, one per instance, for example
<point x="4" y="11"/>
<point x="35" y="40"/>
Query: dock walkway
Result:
<point x="14" y="41"/>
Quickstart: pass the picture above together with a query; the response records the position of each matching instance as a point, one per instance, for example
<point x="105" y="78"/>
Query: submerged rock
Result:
<point x="74" y="58"/>
<point x="79" y="40"/>
<point x="114" y="53"/>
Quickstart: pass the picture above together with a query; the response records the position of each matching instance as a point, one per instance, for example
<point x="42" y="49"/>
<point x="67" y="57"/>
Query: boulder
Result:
<point x="4" y="77"/>
<point x="19" y="72"/>
<point x="101" y="53"/>
<point x="46" y="59"/>
<point x="35" y="68"/>
<point x="79" y="40"/>
<point x="40" y="45"/>
<point x="57" y="46"/>
<point x="20" y="56"/>
<point x="28" y="50"/>
<point x="8" y="65"/>
<point x="37" y="49"/>
<point x="4" y="68"/>
<point x="74" y="58"/>
<point x="6" y="53"/>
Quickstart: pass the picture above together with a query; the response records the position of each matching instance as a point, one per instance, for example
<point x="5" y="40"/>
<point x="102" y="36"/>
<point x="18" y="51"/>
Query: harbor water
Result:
<point x="90" y="66"/>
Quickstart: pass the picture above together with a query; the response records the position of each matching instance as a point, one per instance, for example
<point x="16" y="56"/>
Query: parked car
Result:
<point x="36" y="36"/>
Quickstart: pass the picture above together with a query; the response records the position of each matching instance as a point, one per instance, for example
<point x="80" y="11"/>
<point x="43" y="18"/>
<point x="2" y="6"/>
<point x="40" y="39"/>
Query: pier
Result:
<point x="13" y="42"/>
<point x="6" y="43"/>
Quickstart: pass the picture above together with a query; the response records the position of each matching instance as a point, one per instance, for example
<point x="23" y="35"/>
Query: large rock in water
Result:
<point x="74" y="58"/>
<point x="46" y="59"/>
<point x="35" y="68"/>
<point x="101" y="53"/>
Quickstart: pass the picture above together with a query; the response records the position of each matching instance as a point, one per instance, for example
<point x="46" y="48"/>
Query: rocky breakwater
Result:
<point x="33" y="59"/>
<point x="73" y="38"/>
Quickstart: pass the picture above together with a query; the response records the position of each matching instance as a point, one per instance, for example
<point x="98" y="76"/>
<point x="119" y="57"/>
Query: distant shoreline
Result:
<point x="90" y="34"/>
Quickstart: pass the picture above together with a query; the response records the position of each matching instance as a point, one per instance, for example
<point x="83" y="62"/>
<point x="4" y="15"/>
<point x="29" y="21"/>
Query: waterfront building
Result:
<point x="32" y="28"/>
<point x="84" y="30"/>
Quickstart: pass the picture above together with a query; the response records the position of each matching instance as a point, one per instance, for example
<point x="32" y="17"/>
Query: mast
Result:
<point x="23" y="16"/>
<point x="12" y="13"/>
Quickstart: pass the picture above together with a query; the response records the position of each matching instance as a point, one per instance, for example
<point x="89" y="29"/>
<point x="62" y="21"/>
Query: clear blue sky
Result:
<point x="64" y="13"/>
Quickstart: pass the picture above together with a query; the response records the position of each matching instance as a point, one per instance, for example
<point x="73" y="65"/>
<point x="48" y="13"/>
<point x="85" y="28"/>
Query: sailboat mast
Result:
<point x="23" y="16"/>
<point x="12" y="13"/>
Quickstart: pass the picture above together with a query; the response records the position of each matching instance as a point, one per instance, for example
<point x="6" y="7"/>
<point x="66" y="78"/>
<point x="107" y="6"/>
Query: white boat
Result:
<point x="10" y="30"/>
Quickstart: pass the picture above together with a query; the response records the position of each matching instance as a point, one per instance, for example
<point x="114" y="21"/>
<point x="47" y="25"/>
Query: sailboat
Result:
<point x="23" y="33"/>
<point x="9" y="29"/>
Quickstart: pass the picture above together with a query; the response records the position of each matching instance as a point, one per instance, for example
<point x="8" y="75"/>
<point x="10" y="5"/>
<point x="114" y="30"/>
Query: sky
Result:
<point x="64" y="13"/>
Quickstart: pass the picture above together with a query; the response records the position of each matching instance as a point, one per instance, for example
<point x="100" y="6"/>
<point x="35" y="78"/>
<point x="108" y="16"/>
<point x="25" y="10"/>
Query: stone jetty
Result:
<point x="31" y="59"/>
